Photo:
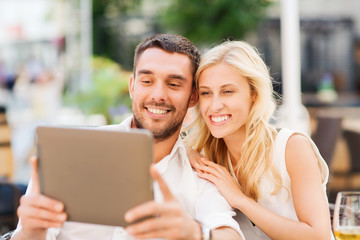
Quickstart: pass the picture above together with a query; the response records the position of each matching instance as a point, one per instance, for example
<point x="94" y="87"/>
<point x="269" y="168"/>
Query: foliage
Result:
<point x="108" y="94"/>
<point x="210" y="21"/>
<point x="102" y="11"/>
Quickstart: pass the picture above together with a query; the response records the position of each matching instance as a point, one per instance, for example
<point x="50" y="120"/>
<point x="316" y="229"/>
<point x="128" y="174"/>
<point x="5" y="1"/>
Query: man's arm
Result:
<point x="37" y="212"/>
<point x="168" y="219"/>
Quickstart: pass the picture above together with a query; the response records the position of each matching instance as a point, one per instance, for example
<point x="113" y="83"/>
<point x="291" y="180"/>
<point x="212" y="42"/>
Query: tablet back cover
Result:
<point x="98" y="174"/>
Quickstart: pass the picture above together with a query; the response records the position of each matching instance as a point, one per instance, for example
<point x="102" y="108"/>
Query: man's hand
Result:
<point x="37" y="212"/>
<point x="167" y="219"/>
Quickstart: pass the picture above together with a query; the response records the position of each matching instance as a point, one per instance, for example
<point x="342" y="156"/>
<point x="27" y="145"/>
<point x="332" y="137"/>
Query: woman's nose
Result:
<point x="217" y="104"/>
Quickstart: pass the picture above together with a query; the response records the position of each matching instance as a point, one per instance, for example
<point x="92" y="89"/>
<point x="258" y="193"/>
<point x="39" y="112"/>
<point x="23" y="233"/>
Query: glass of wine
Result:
<point x="346" y="221"/>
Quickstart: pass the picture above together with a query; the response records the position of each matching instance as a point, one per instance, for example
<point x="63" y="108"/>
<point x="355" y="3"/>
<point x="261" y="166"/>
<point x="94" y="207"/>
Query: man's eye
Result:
<point x="174" y="85"/>
<point x="145" y="81"/>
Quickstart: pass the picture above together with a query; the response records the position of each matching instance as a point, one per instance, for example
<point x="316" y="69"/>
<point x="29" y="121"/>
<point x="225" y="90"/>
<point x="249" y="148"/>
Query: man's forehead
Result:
<point x="155" y="57"/>
<point x="154" y="52"/>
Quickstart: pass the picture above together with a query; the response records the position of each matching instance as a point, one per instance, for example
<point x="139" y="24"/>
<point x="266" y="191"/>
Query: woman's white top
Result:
<point x="282" y="202"/>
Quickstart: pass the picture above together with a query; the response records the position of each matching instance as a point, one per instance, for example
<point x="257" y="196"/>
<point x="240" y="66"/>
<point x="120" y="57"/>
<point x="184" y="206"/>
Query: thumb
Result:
<point x="34" y="175"/>
<point x="167" y="195"/>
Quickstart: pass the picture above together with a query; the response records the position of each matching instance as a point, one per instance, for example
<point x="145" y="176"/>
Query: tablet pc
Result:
<point x="98" y="174"/>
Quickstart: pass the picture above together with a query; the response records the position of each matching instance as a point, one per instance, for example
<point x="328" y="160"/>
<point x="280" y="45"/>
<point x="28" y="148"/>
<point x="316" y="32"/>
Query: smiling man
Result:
<point x="185" y="206"/>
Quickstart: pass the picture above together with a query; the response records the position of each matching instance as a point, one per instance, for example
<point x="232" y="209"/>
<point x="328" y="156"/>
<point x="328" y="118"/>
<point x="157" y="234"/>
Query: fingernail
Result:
<point x="128" y="216"/>
<point x="62" y="217"/>
<point x="58" y="207"/>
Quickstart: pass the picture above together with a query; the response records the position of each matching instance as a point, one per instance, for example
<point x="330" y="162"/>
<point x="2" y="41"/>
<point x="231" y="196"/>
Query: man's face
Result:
<point x="161" y="92"/>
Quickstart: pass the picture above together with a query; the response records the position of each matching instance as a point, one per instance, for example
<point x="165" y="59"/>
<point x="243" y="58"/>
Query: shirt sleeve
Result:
<point x="212" y="210"/>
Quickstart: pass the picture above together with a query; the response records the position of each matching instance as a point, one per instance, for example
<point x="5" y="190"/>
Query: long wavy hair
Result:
<point x="256" y="151"/>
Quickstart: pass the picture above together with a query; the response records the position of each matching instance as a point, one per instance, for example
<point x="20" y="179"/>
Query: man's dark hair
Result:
<point x="170" y="43"/>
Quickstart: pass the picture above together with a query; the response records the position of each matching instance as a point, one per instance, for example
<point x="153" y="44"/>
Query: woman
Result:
<point x="274" y="179"/>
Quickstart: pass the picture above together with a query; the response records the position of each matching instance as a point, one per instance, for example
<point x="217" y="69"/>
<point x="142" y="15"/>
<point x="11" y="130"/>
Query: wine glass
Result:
<point x="346" y="221"/>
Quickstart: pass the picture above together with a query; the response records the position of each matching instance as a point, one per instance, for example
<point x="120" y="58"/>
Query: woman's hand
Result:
<point x="194" y="156"/>
<point x="220" y="176"/>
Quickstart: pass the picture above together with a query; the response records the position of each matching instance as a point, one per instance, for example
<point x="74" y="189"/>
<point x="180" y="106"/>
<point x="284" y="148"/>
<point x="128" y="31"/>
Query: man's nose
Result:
<point x="159" y="92"/>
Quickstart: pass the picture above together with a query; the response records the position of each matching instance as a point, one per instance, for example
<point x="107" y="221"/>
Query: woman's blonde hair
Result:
<point x="256" y="151"/>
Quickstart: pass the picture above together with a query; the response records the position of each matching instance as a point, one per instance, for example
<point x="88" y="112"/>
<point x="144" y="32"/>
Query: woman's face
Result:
<point x="225" y="100"/>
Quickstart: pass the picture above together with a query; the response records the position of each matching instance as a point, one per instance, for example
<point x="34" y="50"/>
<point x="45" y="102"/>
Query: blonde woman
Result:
<point x="275" y="180"/>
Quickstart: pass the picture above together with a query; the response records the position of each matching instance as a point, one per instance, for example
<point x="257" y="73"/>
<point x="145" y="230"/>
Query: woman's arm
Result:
<point x="306" y="188"/>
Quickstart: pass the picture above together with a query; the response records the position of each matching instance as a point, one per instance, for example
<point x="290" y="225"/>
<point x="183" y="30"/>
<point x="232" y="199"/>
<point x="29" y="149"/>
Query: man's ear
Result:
<point x="131" y="85"/>
<point x="194" y="98"/>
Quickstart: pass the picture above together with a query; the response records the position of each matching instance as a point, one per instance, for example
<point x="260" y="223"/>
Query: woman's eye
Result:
<point x="204" y="93"/>
<point x="227" y="91"/>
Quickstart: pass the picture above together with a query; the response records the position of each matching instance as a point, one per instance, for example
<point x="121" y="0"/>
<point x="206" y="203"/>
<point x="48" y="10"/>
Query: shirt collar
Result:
<point x="126" y="124"/>
<point x="163" y="163"/>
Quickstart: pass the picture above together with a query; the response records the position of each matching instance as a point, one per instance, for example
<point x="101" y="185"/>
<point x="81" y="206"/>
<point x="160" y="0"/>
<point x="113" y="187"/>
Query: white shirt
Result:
<point x="200" y="199"/>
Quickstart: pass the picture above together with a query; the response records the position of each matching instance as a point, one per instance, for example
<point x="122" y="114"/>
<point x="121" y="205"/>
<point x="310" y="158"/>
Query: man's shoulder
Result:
<point x="124" y="125"/>
<point x="202" y="184"/>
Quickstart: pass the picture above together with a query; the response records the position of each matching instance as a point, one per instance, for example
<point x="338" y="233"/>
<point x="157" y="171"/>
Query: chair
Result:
<point x="7" y="236"/>
<point x="9" y="192"/>
<point x="352" y="139"/>
<point x="6" y="159"/>
<point x="9" y="202"/>
<point x="325" y="136"/>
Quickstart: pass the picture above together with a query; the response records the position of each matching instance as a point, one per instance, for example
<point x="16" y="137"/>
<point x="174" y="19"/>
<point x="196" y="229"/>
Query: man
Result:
<point x="161" y="89"/>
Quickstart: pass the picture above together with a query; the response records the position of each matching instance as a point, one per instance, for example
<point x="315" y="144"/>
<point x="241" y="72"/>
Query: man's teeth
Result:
<point x="219" y="119"/>
<point x="157" y="111"/>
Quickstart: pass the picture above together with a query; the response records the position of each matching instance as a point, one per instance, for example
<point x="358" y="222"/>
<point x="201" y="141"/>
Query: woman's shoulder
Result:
<point x="300" y="150"/>
<point x="291" y="137"/>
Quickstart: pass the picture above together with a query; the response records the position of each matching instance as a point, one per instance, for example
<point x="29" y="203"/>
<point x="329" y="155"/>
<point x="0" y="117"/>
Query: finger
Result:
<point x="210" y="177"/>
<point x="152" y="209"/>
<point x="193" y="155"/>
<point x="156" y="234"/>
<point x="208" y="169"/>
<point x="149" y="225"/>
<point x="221" y="169"/>
<point x="30" y="223"/>
<point x="34" y="175"/>
<point x="156" y="228"/>
<point x="148" y="209"/>
<point x="167" y="195"/>
<point x="41" y="214"/>
<point x="42" y="201"/>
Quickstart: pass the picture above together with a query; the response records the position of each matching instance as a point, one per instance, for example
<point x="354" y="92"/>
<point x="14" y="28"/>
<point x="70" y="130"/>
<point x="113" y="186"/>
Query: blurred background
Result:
<point x="67" y="62"/>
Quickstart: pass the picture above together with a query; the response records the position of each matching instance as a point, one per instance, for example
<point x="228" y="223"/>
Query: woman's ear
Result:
<point x="253" y="96"/>
<point x="131" y="85"/>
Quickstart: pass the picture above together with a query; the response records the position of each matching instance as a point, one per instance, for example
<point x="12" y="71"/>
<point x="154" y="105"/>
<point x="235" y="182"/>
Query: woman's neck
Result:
<point x="234" y="144"/>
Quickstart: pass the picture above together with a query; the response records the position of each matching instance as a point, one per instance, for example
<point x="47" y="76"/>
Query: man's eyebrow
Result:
<point x="176" y="76"/>
<point x="144" y="71"/>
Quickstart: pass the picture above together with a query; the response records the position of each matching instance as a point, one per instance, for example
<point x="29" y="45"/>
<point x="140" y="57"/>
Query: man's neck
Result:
<point x="162" y="148"/>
